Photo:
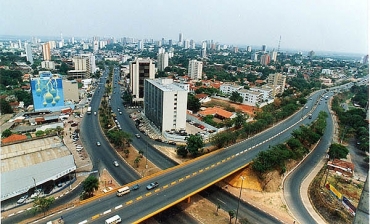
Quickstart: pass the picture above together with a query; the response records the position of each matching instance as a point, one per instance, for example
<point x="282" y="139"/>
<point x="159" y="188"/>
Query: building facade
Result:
<point x="28" y="49"/>
<point x="195" y="69"/>
<point x="140" y="69"/>
<point x="275" y="80"/>
<point x="46" y="54"/>
<point x="165" y="104"/>
<point x="162" y="61"/>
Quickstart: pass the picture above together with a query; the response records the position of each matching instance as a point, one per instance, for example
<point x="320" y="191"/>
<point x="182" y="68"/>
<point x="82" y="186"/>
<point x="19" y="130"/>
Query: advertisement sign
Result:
<point x="47" y="92"/>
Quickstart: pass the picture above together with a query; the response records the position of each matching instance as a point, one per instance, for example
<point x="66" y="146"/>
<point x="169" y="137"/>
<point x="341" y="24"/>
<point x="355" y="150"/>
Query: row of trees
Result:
<point x="295" y="148"/>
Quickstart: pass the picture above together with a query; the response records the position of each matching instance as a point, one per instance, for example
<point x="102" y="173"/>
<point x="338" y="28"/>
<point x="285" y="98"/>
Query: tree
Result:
<point x="235" y="97"/>
<point x="5" y="107"/>
<point x="127" y="152"/>
<point x="141" y="153"/>
<point x="193" y="103"/>
<point x="42" y="204"/>
<point x="194" y="143"/>
<point x="337" y="151"/>
<point x="232" y="215"/>
<point x="239" y="120"/>
<point x="6" y="133"/>
<point x="137" y="161"/>
<point x="182" y="151"/>
<point x="90" y="184"/>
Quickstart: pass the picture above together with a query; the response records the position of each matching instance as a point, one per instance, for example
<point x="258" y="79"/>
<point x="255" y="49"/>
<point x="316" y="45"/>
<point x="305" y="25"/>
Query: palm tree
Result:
<point x="141" y="152"/>
<point x="137" y="161"/>
<point x="90" y="184"/>
<point x="127" y="152"/>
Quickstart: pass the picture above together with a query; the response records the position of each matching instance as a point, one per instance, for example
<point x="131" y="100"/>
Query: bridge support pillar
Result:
<point x="188" y="200"/>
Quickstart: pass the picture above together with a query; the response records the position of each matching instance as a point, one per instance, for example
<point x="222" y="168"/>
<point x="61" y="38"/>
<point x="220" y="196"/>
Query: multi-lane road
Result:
<point x="184" y="180"/>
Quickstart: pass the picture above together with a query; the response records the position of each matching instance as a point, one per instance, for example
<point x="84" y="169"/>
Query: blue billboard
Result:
<point x="47" y="92"/>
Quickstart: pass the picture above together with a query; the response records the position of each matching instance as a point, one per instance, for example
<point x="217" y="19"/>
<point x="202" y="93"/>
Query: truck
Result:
<point x="89" y="110"/>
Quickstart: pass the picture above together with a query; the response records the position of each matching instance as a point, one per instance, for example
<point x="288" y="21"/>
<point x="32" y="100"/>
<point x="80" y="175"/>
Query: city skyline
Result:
<point x="337" y="26"/>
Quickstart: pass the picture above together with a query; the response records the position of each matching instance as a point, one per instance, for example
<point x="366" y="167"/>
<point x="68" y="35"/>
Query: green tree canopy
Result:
<point x="5" y="107"/>
<point x="337" y="151"/>
<point x="193" y="103"/>
<point x="182" y="151"/>
<point x="235" y="97"/>
<point x="194" y="144"/>
<point x="90" y="184"/>
<point x="6" y="133"/>
<point x="42" y="204"/>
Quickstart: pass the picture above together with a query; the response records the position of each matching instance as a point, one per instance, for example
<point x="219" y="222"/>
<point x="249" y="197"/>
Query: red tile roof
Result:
<point x="216" y="111"/>
<point x="14" y="138"/>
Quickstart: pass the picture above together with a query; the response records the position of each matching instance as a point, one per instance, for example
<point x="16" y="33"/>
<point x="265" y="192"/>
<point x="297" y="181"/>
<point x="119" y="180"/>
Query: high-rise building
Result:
<point x="265" y="59"/>
<point x="273" y="55"/>
<point x="249" y="48"/>
<point x="140" y="45"/>
<point x="162" y="61"/>
<point x="29" y="58"/>
<point x="95" y="45"/>
<point x="170" y="43"/>
<point x="277" y="80"/>
<point x="311" y="54"/>
<point x="46" y="52"/>
<point x="254" y="56"/>
<point x="140" y="69"/>
<point x="195" y="69"/>
<point x="165" y="104"/>
<point x="180" y="39"/>
<point x="186" y="44"/>
<point x="85" y="62"/>
<point x="264" y="48"/>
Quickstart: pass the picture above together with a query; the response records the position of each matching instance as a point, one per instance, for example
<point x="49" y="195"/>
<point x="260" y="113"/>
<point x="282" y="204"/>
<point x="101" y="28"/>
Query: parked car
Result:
<point x="152" y="185"/>
<point x="137" y="135"/>
<point x="98" y="143"/>
<point x="22" y="199"/>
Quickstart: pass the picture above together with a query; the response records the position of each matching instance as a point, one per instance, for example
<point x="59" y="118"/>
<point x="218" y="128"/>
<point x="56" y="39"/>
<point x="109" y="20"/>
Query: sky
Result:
<point x="318" y="25"/>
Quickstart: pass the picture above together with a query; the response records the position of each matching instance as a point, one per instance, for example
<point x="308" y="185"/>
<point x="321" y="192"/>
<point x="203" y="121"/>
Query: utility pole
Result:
<point x="240" y="194"/>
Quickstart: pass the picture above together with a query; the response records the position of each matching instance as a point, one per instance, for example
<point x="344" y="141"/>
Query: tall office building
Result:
<point x="192" y="44"/>
<point x="46" y="52"/>
<point x="203" y="53"/>
<point x="170" y="43"/>
<point x="29" y="58"/>
<point x="195" y="69"/>
<point x="180" y="39"/>
<point x="162" y="61"/>
<point x="265" y="59"/>
<point x="140" y="69"/>
<point x="165" y="104"/>
<point x="249" y="48"/>
<point x="95" y="45"/>
<point x="86" y="63"/>
<point x="254" y="56"/>
<point x="264" y="48"/>
<point x="277" y="80"/>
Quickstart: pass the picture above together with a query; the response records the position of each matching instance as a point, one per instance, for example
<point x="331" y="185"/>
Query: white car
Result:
<point x="98" y="143"/>
<point x="115" y="163"/>
<point x="22" y="199"/>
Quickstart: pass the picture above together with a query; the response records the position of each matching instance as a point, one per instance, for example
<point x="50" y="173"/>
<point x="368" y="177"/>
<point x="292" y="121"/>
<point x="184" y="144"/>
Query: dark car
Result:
<point x="152" y="185"/>
<point x="135" y="187"/>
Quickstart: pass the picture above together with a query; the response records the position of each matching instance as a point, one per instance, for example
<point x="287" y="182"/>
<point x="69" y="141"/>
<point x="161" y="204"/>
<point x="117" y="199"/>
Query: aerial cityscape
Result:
<point x="192" y="112"/>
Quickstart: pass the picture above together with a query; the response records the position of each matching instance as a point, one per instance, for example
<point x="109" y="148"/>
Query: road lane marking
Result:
<point x="165" y="186"/>
<point x="156" y="190"/>
<point x="173" y="183"/>
<point x="187" y="176"/>
<point x="195" y="173"/>
<point x="206" y="168"/>
<point x="129" y="202"/>
<point x="83" y="222"/>
<point x="147" y="194"/>
<point x="20" y="211"/>
<point x="118" y="207"/>
<point x="181" y="179"/>
<point x="95" y="217"/>
<point x="106" y="212"/>
<point x="138" y="198"/>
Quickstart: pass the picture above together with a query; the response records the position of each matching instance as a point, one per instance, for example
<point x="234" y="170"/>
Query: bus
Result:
<point x="113" y="220"/>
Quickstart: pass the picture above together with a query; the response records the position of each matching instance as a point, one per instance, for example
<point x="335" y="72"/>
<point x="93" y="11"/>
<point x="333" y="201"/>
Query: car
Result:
<point x="94" y="112"/>
<point x="22" y="199"/>
<point x="137" y="135"/>
<point x="158" y="140"/>
<point x="120" y="112"/>
<point x="172" y="143"/>
<point x="152" y="185"/>
<point x="115" y="163"/>
<point x="59" y="184"/>
<point x="135" y="187"/>
<point x="306" y="107"/>
<point x="98" y="143"/>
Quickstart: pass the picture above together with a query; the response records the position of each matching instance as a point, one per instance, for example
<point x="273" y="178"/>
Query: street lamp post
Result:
<point x="240" y="194"/>
<point x="146" y="157"/>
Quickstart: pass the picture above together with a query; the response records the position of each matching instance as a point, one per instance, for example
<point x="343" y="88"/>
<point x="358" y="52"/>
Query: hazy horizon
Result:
<point x="328" y="26"/>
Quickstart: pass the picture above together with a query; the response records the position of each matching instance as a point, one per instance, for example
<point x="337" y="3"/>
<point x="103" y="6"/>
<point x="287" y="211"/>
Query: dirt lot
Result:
<point x="227" y="104"/>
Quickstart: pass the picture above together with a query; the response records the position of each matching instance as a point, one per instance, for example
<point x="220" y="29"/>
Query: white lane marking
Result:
<point x="117" y="207"/>
<point x="106" y="212"/>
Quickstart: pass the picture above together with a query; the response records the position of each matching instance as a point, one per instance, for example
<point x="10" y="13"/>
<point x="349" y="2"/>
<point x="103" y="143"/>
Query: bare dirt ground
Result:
<point x="227" y="104"/>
